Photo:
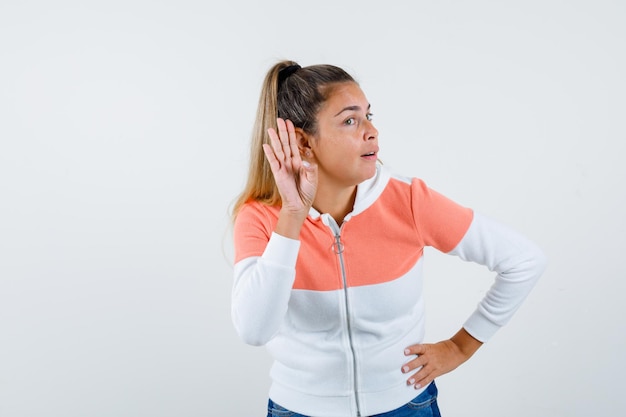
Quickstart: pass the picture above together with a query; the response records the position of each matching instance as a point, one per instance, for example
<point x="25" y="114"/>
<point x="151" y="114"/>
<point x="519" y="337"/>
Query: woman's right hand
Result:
<point x="296" y="179"/>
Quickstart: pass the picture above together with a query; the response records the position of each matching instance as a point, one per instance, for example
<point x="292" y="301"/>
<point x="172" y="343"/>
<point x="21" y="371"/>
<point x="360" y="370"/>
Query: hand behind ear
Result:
<point x="295" y="178"/>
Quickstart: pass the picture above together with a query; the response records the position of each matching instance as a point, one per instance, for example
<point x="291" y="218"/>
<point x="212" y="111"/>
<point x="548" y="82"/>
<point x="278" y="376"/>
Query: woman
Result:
<point x="328" y="257"/>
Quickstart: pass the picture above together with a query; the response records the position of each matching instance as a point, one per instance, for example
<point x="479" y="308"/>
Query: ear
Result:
<point x="304" y="142"/>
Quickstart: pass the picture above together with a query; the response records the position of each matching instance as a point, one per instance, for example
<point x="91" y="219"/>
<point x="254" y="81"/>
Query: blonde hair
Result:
<point x="289" y="92"/>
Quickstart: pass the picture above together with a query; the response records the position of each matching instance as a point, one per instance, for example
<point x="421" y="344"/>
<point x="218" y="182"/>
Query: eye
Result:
<point x="369" y="116"/>
<point x="350" y="121"/>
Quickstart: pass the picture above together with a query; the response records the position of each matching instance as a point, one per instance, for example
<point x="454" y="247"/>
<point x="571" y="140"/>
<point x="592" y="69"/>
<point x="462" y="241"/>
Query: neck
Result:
<point x="336" y="201"/>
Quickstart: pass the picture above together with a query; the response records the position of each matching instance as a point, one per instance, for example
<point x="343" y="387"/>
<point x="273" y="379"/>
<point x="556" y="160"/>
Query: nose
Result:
<point x="370" y="131"/>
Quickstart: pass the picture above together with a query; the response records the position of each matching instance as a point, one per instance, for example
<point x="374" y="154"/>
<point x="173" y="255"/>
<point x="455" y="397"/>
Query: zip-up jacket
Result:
<point x="337" y="308"/>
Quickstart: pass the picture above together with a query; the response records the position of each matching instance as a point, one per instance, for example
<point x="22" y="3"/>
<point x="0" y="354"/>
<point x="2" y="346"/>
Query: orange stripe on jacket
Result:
<point x="380" y="244"/>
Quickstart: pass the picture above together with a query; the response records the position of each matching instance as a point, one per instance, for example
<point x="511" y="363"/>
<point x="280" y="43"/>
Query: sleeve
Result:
<point x="459" y="231"/>
<point x="264" y="273"/>
<point x="439" y="221"/>
<point x="518" y="264"/>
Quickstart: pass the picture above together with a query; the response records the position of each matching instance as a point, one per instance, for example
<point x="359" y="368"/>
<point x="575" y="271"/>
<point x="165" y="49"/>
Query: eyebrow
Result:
<point x="352" y="108"/>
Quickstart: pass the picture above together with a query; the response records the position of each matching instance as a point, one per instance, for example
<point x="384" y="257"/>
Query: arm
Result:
<point x="262" y="284"/>
<point x="262" y="288"/>
<point x="518" y="264"/>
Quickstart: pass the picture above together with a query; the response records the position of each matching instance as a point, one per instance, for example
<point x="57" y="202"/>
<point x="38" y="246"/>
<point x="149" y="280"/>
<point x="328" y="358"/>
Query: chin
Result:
<point x="367" y="175"/>
<point x="371" y="172"/>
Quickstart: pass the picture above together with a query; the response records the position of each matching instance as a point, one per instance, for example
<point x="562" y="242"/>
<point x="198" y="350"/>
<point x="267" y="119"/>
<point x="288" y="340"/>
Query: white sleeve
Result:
<point x="262" y="288"/>
<point x="518" y="263"/>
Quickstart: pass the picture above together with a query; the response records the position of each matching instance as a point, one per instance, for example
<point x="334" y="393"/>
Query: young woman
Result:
<point x="328" y="258"/>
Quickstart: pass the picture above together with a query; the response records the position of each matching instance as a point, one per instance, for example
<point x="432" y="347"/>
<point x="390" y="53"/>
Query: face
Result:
<point x="345" y="146"/>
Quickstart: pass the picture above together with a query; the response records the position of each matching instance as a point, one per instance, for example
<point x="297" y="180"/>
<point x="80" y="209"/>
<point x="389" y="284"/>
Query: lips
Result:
<point x="371" y="153"/>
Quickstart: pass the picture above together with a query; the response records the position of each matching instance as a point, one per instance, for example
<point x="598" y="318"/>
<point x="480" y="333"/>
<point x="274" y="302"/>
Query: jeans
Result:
<point x="424" y="405"/>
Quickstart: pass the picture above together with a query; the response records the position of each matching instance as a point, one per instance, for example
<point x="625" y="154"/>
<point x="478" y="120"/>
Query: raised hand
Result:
<point x="296" y="179"/>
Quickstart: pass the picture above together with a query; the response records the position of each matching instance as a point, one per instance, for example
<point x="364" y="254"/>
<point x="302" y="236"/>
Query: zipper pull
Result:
<point x="338" y="245"/>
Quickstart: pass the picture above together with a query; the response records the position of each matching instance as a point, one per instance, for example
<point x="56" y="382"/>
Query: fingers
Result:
<point x="293" y="142"/>
<point x="277" y="140"/>
<point x="283" y="134"/>
<point x="420" y="380"/>
<point x="432" y="360"/>
<point x="271" y="158"/>
<point x="416" y="349"/>
<point x="284" y="144"/>
<point x="425" y="372"/>
<point x="420" y="351"/>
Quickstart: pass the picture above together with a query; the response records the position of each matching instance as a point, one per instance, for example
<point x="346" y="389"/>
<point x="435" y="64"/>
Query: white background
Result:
<point x="124" y="131"/>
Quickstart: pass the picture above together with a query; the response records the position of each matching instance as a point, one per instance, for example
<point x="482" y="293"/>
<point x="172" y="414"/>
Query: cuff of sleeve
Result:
<point x="281" y="250"/>
<point x="480" y="327"/>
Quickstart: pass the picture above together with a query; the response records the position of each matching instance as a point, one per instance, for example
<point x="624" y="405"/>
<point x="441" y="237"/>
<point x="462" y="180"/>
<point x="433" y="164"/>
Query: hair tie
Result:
<point x="286" y="72"/>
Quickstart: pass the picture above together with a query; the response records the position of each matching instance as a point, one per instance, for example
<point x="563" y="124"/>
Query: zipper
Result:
<point x="338" y="249"/>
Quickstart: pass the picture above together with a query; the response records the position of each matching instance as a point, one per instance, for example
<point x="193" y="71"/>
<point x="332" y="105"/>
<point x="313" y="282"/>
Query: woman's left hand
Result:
<point x="434" y="360"/>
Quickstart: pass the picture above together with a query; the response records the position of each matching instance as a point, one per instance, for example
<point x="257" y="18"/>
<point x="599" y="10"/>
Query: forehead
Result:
<point x="345" y="95"/>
